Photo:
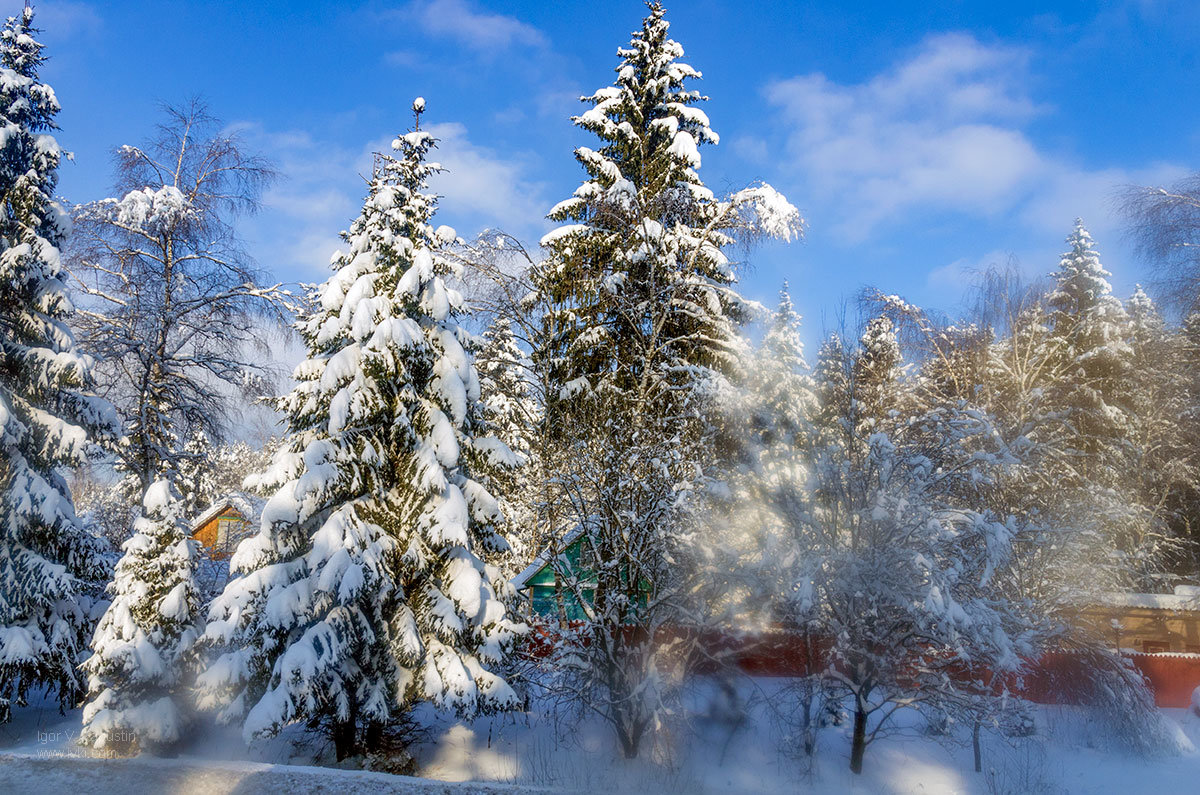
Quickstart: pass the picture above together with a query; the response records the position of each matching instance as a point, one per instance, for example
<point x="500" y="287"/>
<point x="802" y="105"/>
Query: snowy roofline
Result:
<point x="1184" y="598"/>
<point x="543" y="559"/>
<point x="247" y="505"/>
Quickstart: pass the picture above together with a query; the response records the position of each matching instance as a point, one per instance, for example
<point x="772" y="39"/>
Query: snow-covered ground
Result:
<point x="1071" y="751"/>
<point x="75" y="775"/>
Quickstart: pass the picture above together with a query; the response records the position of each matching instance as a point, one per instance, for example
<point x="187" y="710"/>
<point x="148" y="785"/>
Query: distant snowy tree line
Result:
<point x="930" y="501"/>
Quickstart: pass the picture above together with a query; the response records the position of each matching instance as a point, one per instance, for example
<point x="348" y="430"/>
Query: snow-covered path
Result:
<point x="75" y="775"/>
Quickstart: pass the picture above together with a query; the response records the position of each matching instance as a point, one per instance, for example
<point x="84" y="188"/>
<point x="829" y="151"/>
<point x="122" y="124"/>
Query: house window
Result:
<point x="1155" y="646"/>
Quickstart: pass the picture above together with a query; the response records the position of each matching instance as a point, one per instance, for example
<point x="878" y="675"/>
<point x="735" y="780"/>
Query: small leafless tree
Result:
<point x="173" y="305"/>
<point x="1165" y="223"/>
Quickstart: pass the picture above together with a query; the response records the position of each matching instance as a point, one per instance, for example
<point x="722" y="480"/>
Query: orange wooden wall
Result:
<point x="206" y="533"/>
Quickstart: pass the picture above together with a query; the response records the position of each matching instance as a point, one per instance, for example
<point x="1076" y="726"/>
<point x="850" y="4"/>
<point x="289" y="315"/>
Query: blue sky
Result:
<point x="920" y="140"/>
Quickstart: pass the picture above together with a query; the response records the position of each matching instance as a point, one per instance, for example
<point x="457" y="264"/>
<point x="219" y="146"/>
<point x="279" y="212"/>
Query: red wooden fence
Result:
<point x="1172" y="677"/>
<point x="1058" y="678"/>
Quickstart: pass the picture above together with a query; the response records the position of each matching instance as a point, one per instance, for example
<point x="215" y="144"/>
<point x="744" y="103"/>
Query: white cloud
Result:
<point x="317" y="196"/>
<point x="66" y="19"/>
<point x="483" y="31"/>
<point x="484" y="188"/>
<point x="402" y="58"/>
<point x="940" y="129"/>
<point x="1068" y="192"/>
<point x="751" y="148"/>
<point x="322" y="188"/>
<point x="945" y="131"/>
<point x="955" y="277"/>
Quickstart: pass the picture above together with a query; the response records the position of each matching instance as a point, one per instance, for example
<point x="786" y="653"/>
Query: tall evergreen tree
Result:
<point x="512" y="416"/>
<point x="368" y="587"/>
<point x="1187" y="345"/>
<point x="774" y="419"/>
<point x="1162" y="437"/>
<point x="641" y="331"/>
<point x="135" y="674"/>
<point x="47" y="562"/>
<point x="782" y="378"/>
<point x="1090" y="324"/>
<point x="1091" y="423"/>
<point x="876" y="373"/>
<point x="831" y="384"/>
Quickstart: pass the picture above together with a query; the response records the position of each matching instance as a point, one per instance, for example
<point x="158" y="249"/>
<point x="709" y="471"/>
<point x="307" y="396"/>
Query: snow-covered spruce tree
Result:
<point x="771" y="484"/>
<point x="777" y="407"/>
<point x="1186" y="346"/>
<point x="512" y="416"/>
<point x="783" y="392"/>
<point x="1091" y="324"/>
<point x="1092" y="475"/>
<point x="1163" y="434"/>
<point x="641" y="331"/>
<point x="831" y="386"/>
<point x="47" y="562"/>
<point x="197" y="485"/>
<point x="137" y="692"/>
<point x="1036" y="384"/>
<point x="368" y="587"/>
<point x="876" y="373"/>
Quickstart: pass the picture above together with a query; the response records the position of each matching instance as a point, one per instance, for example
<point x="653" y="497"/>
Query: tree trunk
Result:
<point x="629" y="744"/>
<point x="975" y="746"/>
<point x="809" y="732"/>
<point x="343" y="739"/>
<point x="559" y="601"/>
<point x="859" y="746"/>
<point x="374" y="738"/>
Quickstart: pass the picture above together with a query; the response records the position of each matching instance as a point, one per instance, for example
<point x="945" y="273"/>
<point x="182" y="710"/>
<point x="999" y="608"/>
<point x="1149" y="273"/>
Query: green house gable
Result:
<point x="537" y="582"/>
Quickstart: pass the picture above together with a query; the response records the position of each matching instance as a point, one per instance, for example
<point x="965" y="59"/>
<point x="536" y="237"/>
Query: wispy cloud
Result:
<point x="482" y="188"/>
<point x="322" y="187"/>
<point x="486" y="32"/>
<point x="945" y="132"/>
<point x="317" y="196"/>
<point x="67" y="19"/>
<point x="941" y="129"/>
<point x="955" y="277"/>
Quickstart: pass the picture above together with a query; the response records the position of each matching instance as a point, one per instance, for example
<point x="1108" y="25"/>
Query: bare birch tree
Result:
<point x="173" y="304"/>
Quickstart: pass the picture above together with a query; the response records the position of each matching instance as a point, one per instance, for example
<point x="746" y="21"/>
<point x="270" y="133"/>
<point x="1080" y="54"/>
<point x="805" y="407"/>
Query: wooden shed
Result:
<point x="1149" y="623"/>
<point x="225" y="523"/>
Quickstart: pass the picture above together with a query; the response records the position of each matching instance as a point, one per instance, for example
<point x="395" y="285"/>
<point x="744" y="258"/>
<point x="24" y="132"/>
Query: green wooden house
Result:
<point x="536" y="582"/>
